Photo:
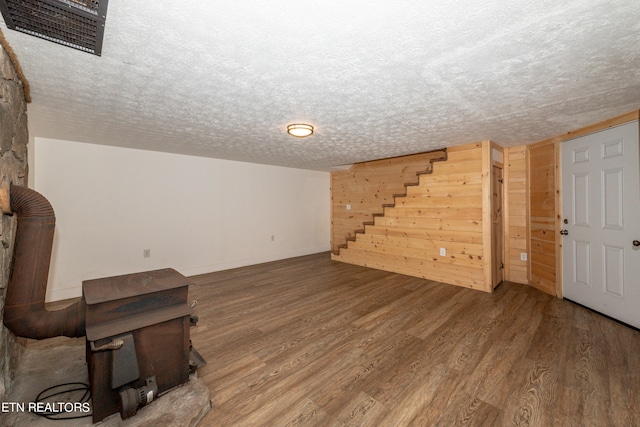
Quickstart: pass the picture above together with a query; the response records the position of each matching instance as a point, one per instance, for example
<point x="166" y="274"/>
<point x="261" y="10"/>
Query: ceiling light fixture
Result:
<point x="299" y="130"/>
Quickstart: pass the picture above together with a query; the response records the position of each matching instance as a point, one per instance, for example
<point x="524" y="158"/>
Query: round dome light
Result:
<point x="299" y="130"/>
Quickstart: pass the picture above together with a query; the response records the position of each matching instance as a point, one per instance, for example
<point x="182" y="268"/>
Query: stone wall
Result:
<point x="13" y="169"/>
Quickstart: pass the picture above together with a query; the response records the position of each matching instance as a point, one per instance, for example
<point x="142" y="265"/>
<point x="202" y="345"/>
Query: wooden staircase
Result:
<point x="438" y="229"/>
<point x="406" y="166"/>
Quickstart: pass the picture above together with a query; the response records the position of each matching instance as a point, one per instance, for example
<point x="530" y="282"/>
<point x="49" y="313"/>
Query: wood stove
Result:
<point x="137" y="325"/>
<point x="137" y="329"/>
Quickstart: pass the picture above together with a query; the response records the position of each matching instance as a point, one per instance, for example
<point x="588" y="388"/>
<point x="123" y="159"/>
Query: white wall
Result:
<point x="196" y="215"/>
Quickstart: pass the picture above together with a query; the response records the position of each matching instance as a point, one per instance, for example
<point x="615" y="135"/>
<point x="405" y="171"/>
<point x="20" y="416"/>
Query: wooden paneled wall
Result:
<point x="516" y="202"/>
<point x="446" y="210"/>
<point x="542" y="215"/>
<point x="366" y="187"/>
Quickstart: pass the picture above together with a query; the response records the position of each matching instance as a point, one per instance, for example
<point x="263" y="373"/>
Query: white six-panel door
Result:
<point x="601" y="214"/>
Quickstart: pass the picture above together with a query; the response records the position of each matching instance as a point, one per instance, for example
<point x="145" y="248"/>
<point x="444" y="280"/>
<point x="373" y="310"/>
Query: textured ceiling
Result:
<point x="376" y="78"/>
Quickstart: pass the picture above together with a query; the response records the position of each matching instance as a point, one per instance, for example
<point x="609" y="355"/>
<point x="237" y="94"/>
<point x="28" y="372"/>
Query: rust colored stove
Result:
<point x="137" y="339"/>
<point x="137" y="325"/>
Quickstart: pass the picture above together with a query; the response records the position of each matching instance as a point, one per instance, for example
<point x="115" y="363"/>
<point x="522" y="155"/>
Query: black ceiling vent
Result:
<point x="75" y="23"/>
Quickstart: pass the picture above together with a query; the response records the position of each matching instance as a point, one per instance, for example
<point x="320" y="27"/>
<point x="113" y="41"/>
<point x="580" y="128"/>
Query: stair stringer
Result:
<point x="436" y="156"/>
<point x="446" y="211"/>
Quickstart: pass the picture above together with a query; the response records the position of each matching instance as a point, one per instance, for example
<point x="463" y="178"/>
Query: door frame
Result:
<point x="558" y="212"/>
<point x="497" y="229"/>
<point x="497" y="161"/>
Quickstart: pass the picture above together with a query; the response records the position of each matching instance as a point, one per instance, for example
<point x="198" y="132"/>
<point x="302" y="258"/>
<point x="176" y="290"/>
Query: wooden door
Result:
<point x="497" y="231"/>
<point x="601" y="216"/>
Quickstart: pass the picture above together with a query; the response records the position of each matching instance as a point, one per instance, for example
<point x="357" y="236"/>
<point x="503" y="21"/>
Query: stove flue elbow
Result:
<point x="24" y="311"/>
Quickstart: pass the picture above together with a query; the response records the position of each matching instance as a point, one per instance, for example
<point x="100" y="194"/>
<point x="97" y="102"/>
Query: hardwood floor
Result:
<point x="314" y="342"/>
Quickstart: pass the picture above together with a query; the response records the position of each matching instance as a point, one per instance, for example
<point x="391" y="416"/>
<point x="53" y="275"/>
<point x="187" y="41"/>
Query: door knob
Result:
<point x="564" y="232"/>
<point x="636" y="243"/>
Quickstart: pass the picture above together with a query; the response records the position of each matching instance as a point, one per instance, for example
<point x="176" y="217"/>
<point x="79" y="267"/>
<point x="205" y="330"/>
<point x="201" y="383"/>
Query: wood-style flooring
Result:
<point x="313" y="342"/>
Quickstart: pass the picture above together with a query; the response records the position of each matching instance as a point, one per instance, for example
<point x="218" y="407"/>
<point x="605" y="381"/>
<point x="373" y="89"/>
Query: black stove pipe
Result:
<point x="24" y="311"/>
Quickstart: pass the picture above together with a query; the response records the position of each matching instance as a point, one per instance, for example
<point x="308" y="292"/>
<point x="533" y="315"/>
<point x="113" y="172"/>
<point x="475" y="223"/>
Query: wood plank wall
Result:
<point x="408" y="239"/>
<point x="366" y="187"/>
<point x="444" y="211"/>
<point x="516" y="203"/>
<point x="542" y="216"/>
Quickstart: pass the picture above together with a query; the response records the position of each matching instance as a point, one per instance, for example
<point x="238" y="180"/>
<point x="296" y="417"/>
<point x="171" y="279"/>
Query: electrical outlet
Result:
<point x="523" y="256"/>
<point x="146" y="253"/>
<point x="443" y="252"/>
<point x="348" y="207"/>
